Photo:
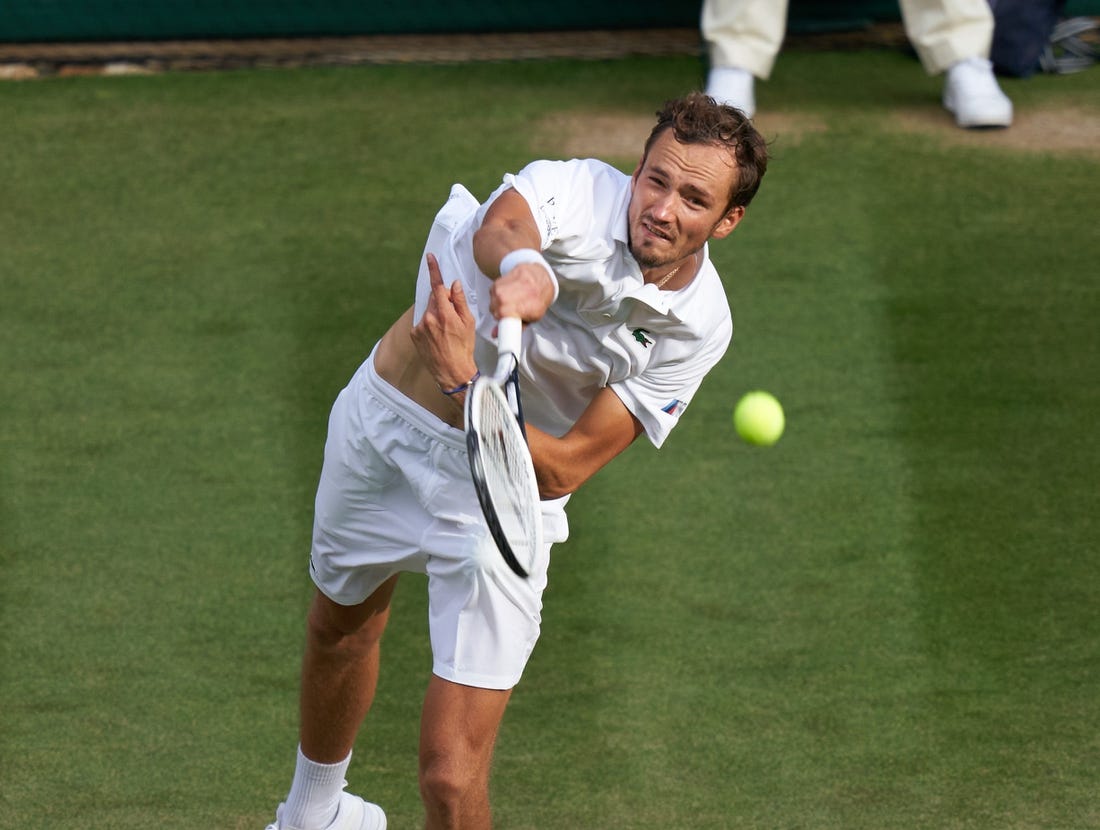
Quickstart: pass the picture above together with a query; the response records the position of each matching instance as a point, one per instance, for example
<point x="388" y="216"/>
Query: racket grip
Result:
<point x="509" y="338"/>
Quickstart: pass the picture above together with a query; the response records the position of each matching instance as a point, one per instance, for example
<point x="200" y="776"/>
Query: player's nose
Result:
<point x="663" y="209"/>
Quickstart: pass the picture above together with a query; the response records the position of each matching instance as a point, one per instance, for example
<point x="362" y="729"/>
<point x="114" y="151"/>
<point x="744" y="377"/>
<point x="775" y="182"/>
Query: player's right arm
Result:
<point x="528" y="288"/>
<point x="605" y="429"/>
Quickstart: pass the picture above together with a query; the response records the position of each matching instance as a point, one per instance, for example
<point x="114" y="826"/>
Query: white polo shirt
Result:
<point x="607" y="327"/>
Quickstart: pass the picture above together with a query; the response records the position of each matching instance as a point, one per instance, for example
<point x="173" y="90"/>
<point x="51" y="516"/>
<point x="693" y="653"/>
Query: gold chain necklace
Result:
<point x="669" y="276"/>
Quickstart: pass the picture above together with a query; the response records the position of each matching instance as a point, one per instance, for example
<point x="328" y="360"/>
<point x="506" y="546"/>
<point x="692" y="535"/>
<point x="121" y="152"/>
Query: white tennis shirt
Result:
<point x="607" y="327"/>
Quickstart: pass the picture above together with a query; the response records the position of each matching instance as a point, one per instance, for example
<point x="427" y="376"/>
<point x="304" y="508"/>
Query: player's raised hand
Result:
<point x="444" y="337"/>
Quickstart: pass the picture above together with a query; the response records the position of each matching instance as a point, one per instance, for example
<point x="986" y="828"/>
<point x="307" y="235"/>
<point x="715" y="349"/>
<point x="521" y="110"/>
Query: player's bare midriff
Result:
<point x="398" y="363"/>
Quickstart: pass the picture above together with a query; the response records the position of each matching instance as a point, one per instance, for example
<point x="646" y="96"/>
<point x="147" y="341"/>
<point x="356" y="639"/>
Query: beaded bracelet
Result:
<point x="462" y="387"/>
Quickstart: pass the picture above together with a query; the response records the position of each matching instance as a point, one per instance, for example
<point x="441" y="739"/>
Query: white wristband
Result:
<point x="521" y="255"/>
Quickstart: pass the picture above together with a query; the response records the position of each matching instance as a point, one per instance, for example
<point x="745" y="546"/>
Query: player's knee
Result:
<point x="446" y="783"/>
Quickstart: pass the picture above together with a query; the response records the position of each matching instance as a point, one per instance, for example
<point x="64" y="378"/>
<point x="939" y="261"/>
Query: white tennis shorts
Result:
<point x="395" y="495"/>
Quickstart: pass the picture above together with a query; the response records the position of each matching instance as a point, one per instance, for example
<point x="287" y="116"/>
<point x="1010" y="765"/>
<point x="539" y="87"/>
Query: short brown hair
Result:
<point x="699" y="119"/>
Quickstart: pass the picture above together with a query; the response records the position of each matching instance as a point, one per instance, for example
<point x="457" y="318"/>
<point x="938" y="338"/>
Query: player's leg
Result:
<point x="458" y="732"/>
<point x="484" y="622"/>
<point x="365" y="522"/>
<point x="340" y="671"/>
<point x="366" y="530"/>
<point x="339" y="678"/>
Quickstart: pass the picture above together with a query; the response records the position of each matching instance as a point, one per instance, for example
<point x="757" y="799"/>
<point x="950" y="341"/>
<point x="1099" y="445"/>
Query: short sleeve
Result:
<point x="659" y="396"/>
<point x="559" y="194"/>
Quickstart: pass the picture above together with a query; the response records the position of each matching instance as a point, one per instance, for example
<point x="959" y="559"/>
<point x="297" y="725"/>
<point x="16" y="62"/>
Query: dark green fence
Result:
<point x="92" y="20"/>
<point x="69" y="20"/>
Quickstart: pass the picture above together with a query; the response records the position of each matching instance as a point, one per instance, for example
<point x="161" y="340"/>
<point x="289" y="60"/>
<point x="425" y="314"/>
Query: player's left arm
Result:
<point x="605" y="429"/>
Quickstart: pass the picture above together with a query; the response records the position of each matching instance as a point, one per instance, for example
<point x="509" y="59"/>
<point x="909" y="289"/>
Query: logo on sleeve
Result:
<point x="549" y="211"/>
<point x="642" y="336"/>
<point x="675" y="408"/>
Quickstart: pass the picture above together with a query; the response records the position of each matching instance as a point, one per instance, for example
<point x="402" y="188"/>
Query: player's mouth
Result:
<point x="654" y="231"/>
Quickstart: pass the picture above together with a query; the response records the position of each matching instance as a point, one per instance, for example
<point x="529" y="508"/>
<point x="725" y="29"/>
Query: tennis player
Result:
<point x="626" y="315"/>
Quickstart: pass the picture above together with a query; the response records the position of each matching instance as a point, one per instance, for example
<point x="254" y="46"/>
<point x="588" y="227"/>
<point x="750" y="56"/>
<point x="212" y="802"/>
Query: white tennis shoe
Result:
<point x="972" y="95"/>
<point x="353" y="814"/>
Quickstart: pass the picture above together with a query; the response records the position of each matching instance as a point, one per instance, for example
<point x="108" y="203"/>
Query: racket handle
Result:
<point x="509" y="338"/>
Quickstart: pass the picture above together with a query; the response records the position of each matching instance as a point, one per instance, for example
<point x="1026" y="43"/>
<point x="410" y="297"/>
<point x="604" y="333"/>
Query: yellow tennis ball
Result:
<point x="758" y="418"/>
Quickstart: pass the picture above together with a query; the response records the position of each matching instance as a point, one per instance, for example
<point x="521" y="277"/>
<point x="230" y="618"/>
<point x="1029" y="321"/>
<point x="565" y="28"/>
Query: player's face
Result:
<point x="679" y="200"/>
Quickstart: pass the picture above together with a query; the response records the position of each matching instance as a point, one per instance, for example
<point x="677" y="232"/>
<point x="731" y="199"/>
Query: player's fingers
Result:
<point x="525" y="292"/>
<point x="502" y="302"/>
<point x="458" y="299"/>
<point x="506" y="300"/>
<point x="435" y="276"/>
<point x="439" y="297"/>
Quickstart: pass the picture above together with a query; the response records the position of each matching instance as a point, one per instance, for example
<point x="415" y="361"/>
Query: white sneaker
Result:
<point x="734" y="86"/>
<point x="972" y="95"/>
<point x="353" y="814"/>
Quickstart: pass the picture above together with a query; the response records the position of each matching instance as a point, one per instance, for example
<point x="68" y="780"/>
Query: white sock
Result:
<point x="734" y="86"/>
<point x="314" y="794"/>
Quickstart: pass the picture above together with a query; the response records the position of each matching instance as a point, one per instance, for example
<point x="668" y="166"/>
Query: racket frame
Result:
<point x="503" y="382"/>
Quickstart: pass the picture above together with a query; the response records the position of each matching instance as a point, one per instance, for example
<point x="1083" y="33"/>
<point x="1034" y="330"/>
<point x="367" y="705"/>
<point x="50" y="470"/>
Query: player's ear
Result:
<point x="728" y="222"/>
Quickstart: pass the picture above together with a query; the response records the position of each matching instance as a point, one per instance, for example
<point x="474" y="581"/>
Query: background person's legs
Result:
<point x="743" y="38"/>
<point x="954" y="37"/>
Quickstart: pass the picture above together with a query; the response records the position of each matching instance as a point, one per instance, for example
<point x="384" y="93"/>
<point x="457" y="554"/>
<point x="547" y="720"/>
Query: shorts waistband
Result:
<point x="408" y="409"/>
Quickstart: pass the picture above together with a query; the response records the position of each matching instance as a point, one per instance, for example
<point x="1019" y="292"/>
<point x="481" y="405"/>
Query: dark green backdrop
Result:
<point x="83" y="20"/>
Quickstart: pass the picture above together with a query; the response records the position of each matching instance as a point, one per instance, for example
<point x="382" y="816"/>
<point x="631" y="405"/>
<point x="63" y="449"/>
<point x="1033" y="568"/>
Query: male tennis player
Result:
<point x="625" y="314"/>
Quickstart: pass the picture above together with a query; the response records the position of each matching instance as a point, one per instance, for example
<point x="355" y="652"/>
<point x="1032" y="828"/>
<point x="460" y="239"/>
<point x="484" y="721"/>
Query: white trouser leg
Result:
<point x="947" y="31"/>
<point x="745" y="33"/>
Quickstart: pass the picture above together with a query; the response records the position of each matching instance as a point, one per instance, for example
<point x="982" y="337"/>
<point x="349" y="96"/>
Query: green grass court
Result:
<point x="889" y="621"/>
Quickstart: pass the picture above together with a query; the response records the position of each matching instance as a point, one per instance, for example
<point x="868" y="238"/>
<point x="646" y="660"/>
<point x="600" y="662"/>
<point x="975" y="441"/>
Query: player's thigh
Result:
<point x="365" y="620"/>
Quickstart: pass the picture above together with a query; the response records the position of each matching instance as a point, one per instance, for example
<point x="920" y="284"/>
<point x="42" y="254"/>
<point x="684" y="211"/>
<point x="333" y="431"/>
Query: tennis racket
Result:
<point x="500" y="461"/>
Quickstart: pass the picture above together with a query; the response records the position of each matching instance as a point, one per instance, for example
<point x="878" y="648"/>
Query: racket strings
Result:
<point x="505" y="471"/>
<point x="507" y="477"/>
